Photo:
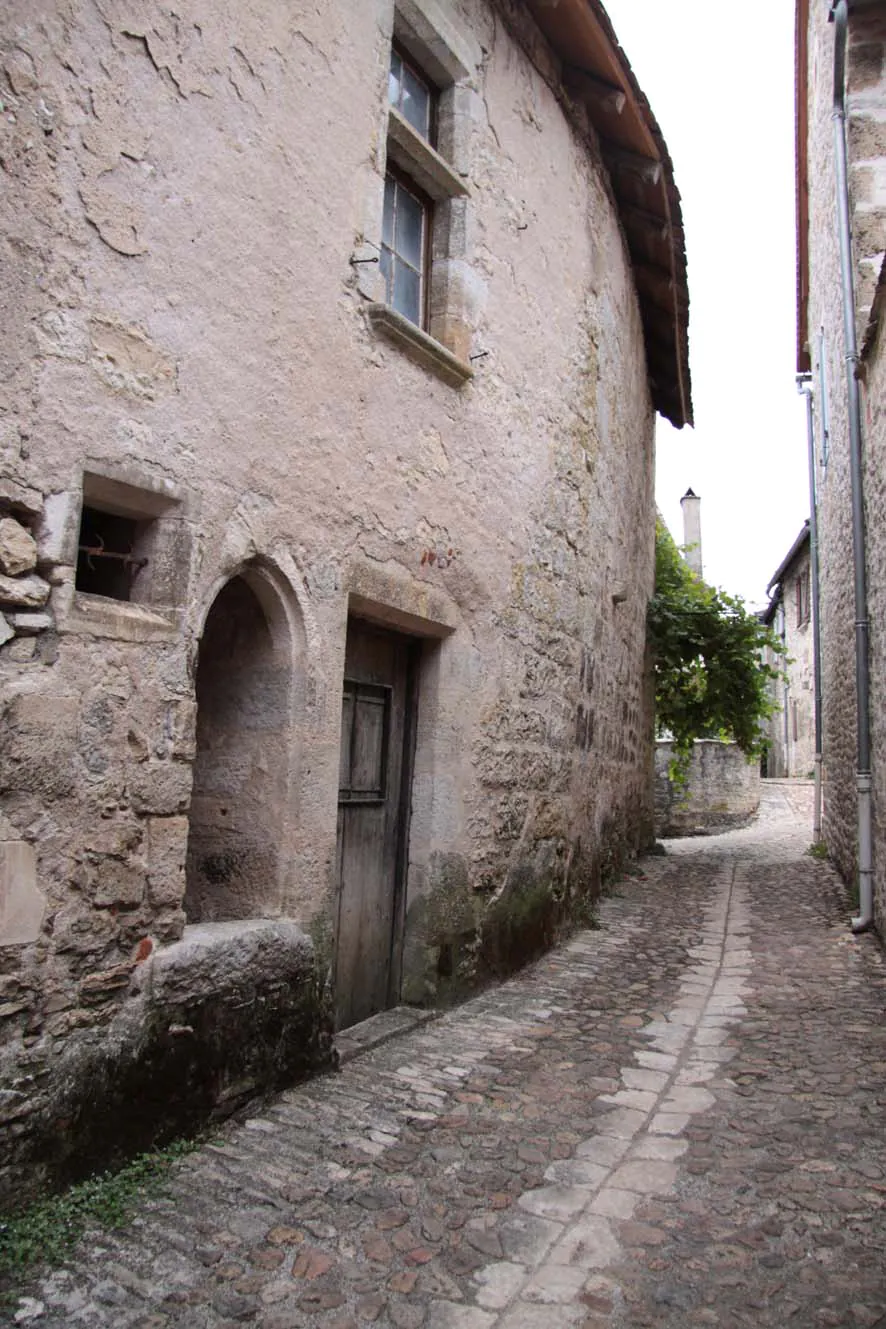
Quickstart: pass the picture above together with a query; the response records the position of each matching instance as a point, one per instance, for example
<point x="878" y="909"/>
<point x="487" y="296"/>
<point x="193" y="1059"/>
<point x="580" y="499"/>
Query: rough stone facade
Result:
<point x="824" y="351"/>
<point x="791" y="727"/>
<point x="196" y="350"/>
<point x="722" y="789"/>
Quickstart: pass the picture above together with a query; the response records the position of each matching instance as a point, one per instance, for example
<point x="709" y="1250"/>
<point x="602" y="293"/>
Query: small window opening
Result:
<point x="107" y="558"/>
<point x="412" y="95"/>
<point x="405" y="248"/>
<point x="803" y="598"/>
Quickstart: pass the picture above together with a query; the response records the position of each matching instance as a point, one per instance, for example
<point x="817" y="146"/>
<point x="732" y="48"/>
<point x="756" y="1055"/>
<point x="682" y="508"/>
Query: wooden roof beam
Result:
<point x="654" y="272"/>
<point x="640" y="219"/>
<point x="656" y="285"/>
<point x="647" y="168"/>
<point x="596" y="92"/>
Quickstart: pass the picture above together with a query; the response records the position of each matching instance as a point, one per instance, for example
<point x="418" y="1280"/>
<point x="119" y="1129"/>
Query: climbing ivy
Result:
<point x="711" y="675"/>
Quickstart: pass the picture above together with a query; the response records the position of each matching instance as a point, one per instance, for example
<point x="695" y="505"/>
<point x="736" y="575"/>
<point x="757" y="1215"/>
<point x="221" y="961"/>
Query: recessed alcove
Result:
<point x="244" y="688"/>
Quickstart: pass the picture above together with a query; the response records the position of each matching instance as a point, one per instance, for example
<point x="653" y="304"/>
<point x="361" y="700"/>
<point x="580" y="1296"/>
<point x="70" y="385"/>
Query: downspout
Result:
<point x="840" y="18"/>
<point x="804" y="385"/>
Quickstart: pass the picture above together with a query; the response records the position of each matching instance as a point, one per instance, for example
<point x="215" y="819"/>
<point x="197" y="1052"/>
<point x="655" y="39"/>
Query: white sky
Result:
<point x="721" y="85"/>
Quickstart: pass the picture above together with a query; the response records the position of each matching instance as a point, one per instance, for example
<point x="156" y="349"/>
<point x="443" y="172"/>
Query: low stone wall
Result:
<point x="231" y="1011"/>
<point x="722" y="791"/>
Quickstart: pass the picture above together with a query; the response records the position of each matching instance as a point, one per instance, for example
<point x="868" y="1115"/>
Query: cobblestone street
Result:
<point x="678" y="1119"/>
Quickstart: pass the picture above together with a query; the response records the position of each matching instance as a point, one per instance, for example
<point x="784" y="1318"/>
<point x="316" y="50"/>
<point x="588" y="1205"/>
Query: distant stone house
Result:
<point x="333" y="338"/>
<point x="791" y="730"/>
<point x="824" y="349"/>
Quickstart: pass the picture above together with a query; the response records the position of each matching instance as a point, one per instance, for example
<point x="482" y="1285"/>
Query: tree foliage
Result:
<point x="712" y="679"/>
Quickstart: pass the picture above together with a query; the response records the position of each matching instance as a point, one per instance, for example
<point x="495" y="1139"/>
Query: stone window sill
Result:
<point x="414" y="155"/>
<point x="419" y="345"/>
<point x="100" y="616"/>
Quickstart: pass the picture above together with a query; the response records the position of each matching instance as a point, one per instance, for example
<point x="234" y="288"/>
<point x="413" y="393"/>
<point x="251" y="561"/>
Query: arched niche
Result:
<point x="245" y="676"/>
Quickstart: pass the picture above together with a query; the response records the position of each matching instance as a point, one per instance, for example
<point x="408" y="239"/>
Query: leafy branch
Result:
<point x="712" y="676"/>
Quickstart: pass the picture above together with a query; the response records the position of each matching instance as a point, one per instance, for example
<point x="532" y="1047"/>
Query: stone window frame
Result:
<point x="156" y="610"/>
<point x="803" y="597"/>
<point x="441" y="55"/>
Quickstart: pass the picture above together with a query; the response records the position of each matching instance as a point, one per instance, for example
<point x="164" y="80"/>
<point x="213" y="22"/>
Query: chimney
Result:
<point x="691" y="505"/>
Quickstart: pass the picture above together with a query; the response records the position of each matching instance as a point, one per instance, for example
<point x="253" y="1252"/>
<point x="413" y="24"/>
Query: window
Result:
<point x="803" y="598"/>
<point x="405" y="248"/>
<point x="419" y="295"/>
<point x="107" y="561"/>
<point x="412" y="95"/>
<point x="126" y="538"/>
<point x="408" y="211"/>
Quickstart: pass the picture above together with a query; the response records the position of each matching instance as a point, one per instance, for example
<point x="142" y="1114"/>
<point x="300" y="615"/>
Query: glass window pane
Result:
<point x="407" y="292"/>
<point x="394" y="79"/>
<point x="415" y="102"/>
<point x="385" y="263"/>
<point x="387" y="224"/>
<point x="410" y="227"/>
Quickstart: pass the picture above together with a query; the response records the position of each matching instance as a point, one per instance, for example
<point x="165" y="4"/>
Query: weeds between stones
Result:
<point x="46" y="1231"/>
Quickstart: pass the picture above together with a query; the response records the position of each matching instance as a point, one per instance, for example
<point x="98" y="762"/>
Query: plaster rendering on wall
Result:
<point x="324" y="595"/>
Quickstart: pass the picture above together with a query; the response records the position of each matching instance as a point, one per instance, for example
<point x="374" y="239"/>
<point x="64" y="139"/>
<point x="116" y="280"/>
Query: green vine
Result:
<point x="45" y="1233"/>
<point x="712" y="679"/>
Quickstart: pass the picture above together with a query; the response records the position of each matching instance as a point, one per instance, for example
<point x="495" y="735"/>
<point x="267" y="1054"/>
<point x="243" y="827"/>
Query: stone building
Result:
<point x="791" y="750"/>
<point x="334" y="334"/>
<point x="823" y="348"/>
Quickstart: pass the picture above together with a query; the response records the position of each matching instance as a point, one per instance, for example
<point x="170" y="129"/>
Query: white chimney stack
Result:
<point x="691" y="505"/>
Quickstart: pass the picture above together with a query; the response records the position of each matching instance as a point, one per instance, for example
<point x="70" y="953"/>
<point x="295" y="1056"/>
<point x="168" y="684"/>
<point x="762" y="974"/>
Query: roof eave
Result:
<point x="642" y="176"/>
<point x="795" y="549"/>
<point x="801" y="48"/>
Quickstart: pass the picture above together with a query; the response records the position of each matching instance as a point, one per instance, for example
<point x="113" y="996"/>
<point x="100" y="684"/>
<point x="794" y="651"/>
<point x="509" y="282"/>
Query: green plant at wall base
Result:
<point x="711" y="678"/>
<point x="44" y="1233"/>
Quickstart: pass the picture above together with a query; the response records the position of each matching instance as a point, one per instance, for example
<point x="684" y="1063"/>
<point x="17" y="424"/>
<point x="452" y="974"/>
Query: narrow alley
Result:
<point x="674" y="1120"/>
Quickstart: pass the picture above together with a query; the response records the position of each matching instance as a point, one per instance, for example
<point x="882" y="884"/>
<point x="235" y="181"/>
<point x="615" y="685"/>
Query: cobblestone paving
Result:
<point x="677" y="1120"/>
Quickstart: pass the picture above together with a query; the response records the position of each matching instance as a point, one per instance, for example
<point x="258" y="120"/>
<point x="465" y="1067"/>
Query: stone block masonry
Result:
<point x="213" y="467"/>
<point x="866" y="103"/>
<point x="722" y="790"/>
<point x="198" y="1028"/>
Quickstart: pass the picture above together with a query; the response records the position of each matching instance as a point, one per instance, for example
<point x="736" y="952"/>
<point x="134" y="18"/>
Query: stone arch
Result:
<point x="248" y="679"/>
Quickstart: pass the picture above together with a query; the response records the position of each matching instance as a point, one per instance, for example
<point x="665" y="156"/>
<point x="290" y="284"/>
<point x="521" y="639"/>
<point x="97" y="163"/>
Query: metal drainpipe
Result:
<point x="804" y="386"/>
<point x="840" y="17"/>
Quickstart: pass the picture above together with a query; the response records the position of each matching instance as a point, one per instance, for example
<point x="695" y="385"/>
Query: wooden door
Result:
<point x="378" y="702"/>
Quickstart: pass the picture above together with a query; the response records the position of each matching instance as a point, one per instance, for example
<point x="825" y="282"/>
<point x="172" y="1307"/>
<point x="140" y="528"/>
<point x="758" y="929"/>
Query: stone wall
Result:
<point x="875" y="510"/>
<point x="791" y="727"/>
<point x="722" y="789"/>
<point x="866" y="89"/>
<point x="186" y="203"/>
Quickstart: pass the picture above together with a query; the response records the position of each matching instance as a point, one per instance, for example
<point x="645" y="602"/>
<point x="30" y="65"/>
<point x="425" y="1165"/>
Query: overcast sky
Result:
<point x="723" y="93"/>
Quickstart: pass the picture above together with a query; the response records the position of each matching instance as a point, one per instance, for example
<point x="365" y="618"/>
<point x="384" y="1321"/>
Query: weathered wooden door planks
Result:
<point x="378" y="701"/>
